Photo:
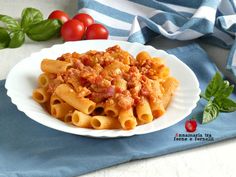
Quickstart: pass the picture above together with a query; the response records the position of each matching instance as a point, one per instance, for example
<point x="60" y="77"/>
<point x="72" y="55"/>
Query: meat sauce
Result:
<point x="98" y="72"/>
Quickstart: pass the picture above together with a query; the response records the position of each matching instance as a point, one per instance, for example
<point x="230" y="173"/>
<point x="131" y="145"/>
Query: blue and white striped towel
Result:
<point x="141" y="20"/>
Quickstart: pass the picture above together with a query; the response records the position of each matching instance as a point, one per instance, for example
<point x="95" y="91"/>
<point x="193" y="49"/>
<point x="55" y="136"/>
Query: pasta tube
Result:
<point x="60" y="110"/>
<point x="68" y="117"/>
<point x="54" y="66"/>
<point x="40" y="95"/>
<point x="55" y="99"/>
<point x="111" y="108"/>
<point x="99" y="110"/>
<point x="169" y="86"/>
<point x="142" y="57"/>
<point x="157" y="108"/>
<point x="80" y="119"/>
<point x="127" y="119"/>
<point x="144" y="112"/>
<point x="43" y="80"/>
<point x="104" y="122"/>
<point x="69" y="96"/>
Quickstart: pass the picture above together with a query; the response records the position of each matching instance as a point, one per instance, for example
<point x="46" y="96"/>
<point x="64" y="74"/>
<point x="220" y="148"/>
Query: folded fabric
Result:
<point x="28" y="149"/>
<point x="231" y="63"/>
<point x="213" y="21"/>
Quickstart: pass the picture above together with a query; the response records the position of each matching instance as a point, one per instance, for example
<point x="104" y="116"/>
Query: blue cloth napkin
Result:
<point x="213" y="21"/>
<point x="28" y="149"/>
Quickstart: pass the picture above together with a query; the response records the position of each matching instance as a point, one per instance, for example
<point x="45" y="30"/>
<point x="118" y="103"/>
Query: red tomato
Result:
<point x="60" y="15"/>
<point x="72" y="30"/>
<point x="191" y="125"/>
<point x="86" y="19"/>
<point x="96" y="31"/>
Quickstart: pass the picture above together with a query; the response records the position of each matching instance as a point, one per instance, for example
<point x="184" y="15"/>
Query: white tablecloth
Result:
<point x="216" y="160"/>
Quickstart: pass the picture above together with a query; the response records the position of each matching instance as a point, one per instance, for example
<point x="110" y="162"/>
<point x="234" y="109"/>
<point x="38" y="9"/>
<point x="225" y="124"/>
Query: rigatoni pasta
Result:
<point x="104" y="122"/>
<point x="60" y="110"/>
<point x="68" y="117"/>
<point x="99" y="110"/>
<point x="127" y="119"/>
<point x="40" y="95"/>
<point x="69" y="96"/>
<point x="54" y="66"/>
<point x="144" y="112"/>
<point x="81" y="120"/>
<point x="105" y="90"/>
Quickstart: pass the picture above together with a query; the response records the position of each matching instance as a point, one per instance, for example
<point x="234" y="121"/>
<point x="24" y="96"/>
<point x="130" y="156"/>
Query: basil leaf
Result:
<point x="29" y="17"/>
<point x="44" y="30"/>
<point x="225" y="90"/>
<point x="211" y="111"/>
<point x="4" y="38"/>
<point x="214" y="85"/>
<point x="10" y="22"/>
<point x="225" y="104"/>
<point x="17" y="39"/>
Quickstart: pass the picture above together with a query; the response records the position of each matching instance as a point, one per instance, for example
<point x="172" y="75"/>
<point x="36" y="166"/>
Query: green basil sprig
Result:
<point x="12" y="35"/>
<point x="217" y="94"/>
<point x="44" y="30"/>
<point x="4" y="38"/>
<point x="30" y="16"/>
<point x="11" y="23"/>
<point x="17" y="39"/>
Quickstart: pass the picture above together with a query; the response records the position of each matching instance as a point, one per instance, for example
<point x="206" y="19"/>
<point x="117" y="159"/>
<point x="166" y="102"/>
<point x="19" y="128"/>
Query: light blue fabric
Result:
<point x="28" y="149"/>
<point x="231" y="63"/>
<point x="214" y="21"/>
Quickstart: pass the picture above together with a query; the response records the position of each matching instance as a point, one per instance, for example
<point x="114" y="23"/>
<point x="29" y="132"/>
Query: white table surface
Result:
<point x="216" y="160"/>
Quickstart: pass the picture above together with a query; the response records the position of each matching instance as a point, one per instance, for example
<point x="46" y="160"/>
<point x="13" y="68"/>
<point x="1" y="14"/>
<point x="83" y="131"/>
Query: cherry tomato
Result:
<point x="191" y="125"/>
<point x="60" y="15"/>
<point x="96" y="31"/>
<point x="72" y="30"/>
<point x="86" y="19"/>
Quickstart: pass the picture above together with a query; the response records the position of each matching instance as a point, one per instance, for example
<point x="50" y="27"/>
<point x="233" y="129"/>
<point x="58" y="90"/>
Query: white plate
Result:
<point x="22" y="79"/>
